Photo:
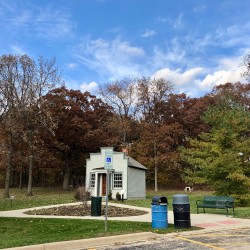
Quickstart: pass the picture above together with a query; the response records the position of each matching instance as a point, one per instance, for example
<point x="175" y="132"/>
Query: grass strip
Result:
<point x="41" y="197"/>
<point x="51" y="196"/>
<point x="29" y="231"/>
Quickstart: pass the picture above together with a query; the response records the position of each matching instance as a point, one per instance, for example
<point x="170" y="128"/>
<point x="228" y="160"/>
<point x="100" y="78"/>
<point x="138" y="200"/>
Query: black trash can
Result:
<point x="96" y="206"/>
<point x="181" y="209"/>
<point x="159" y="207"/>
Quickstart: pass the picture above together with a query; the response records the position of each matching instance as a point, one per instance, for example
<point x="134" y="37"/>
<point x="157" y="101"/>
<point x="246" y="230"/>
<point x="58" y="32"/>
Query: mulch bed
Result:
<point x="84" y="210"/>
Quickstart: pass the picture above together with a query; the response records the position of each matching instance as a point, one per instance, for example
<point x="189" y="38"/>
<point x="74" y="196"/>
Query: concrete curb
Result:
<point x="105" y="242"/>
<point x="93" y="242"/>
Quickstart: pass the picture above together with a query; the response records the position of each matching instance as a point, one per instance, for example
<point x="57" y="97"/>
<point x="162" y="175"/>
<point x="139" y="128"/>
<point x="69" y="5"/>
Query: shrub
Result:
<point x="82" y="195"/>
<point x="118" y="196"/>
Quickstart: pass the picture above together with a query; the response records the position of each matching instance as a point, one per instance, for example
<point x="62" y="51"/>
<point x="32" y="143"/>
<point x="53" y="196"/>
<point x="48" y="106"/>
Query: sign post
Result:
<point x="108" y="164"/>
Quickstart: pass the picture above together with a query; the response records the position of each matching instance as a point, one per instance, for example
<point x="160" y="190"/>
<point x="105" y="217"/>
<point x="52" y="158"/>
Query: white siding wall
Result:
<point x="120" y="163"/>
<point x="136" y="183"/>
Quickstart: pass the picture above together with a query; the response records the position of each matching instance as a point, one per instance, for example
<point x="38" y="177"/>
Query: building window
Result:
<point x="92" y="180"/>
<point x="117" y="181"/>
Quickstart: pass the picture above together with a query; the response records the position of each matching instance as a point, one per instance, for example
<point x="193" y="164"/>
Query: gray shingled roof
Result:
<point x="133" y="163"/>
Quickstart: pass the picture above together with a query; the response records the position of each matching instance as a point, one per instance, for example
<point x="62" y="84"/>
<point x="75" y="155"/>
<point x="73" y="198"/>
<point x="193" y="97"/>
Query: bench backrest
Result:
<point x="218" y="200"/>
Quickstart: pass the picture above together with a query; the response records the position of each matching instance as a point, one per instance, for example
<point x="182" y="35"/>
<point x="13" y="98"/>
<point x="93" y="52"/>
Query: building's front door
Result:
<point x="104" y="184"/>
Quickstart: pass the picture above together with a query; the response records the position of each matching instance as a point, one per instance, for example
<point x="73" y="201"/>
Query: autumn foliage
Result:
<point x="49" y="133"/>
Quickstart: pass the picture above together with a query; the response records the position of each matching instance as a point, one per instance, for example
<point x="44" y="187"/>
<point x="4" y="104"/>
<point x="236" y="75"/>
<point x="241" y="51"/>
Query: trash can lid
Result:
<point x="159" y="200"/>
<point x="180" y="199"/>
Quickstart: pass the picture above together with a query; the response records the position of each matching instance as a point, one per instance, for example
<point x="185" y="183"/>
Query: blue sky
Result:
<point x="195" y="44"/>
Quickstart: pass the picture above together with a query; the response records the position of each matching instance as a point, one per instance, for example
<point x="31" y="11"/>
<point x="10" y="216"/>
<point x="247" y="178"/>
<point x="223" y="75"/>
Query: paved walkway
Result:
<point x="209" y="223"/>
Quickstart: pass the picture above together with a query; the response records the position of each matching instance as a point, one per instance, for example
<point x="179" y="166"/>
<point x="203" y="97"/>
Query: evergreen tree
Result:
<point x="221" y="157"/>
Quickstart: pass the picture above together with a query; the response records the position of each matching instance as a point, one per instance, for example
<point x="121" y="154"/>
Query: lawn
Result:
<point x="240" y="212"/>
<point x="47" y="196"/>
<point x="64" y="229"/>
<point x="53" y="230"/>
<point x="41" y="197"/>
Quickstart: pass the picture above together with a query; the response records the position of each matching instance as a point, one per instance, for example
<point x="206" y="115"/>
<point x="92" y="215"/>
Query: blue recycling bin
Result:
<point x="159" y="208"/>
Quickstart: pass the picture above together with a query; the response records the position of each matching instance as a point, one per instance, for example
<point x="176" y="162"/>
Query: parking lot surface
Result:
<point x="233" y="239"/>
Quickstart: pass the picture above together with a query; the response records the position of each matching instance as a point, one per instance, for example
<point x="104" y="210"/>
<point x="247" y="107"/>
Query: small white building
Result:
<point x="127" y="176"/>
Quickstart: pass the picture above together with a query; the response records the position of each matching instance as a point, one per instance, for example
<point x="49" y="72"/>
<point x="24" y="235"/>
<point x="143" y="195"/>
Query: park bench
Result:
<point x="221" y="202"/>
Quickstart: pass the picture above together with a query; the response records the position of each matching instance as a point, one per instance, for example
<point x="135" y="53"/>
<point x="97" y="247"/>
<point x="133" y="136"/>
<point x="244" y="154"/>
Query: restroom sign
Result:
<point x="108" y="164"/>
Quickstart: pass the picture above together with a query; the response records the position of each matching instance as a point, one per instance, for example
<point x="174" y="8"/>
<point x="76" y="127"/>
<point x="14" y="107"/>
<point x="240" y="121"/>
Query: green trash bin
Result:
<point x="96" y="206"/>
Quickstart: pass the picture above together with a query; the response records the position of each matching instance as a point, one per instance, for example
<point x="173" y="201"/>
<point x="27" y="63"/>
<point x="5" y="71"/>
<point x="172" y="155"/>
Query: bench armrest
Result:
<point x="230" y="203"/>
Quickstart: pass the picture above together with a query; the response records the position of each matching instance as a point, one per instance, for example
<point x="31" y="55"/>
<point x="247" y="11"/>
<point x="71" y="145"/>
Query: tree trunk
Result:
<point x="8" y="171"/>
<point x="156" y="167"/>
<point x="66" y="178"/>
<point x="7" y="183"/>
<point x="44" y="179"/>
<point x="124" y="136"/>
<point x="31" y="163"/>
<point x="21" y="180"/>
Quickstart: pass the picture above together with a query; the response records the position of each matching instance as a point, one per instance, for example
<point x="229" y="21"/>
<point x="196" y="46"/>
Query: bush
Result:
<point x="110" y="196"/>
<point x="118" y="196"/>
<point x="82" y="195"/>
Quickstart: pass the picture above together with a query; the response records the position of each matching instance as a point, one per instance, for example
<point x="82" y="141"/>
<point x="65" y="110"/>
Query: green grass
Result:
<point x="41" y="197"/>
<point x="53" y="230"/>
<point x="50" y="196"/>
<point x="240" y="212"/>
<point x="193" y="196"/>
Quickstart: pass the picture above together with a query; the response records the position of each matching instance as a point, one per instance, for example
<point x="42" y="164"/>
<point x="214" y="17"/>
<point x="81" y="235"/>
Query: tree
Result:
<point x="153" y="95"/>
<point x="10" y="103"/>
<point x="235" y="92"/>
<point x="82" y="127"/>
<point x="221" y="156"/>
<point x="121" y="96"/>
<point x="23" y="82"/>
<point x="246" y="65"/>
<point x="191" y="114"/>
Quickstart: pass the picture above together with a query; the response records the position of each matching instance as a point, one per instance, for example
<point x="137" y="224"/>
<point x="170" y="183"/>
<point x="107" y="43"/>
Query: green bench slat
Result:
<point x="221" y="202"/>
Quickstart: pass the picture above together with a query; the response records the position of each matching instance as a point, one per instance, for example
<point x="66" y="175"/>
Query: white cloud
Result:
<point x="163" y="19"/>
<point x="178" y="22"/>
<point x="149" y="33"/>
<point x="174" y="52"/>
<point x="228" y="70"/>
<point x="219" y="77"/>
<point x="224" y="37"/>
<point x="113" y="59"/>
<point x="178" y="78"/>
<point x="199" y="8"/>
<point x="71" y="65"/>
<point x="15" y="49"/>
<point x="198" y="80"/>
<point x="46" y="23"/>
<point x="90" y="87"/>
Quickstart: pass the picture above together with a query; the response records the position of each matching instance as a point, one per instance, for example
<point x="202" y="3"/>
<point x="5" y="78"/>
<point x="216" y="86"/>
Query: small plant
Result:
<point x="118" y="196"/>
<point x="110" y="196"/>
<point x="82" y="195"/>
<point x="79" y="193"/>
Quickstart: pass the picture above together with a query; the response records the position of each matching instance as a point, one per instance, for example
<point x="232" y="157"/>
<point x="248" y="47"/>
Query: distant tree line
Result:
<point x="47" y="131"/>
